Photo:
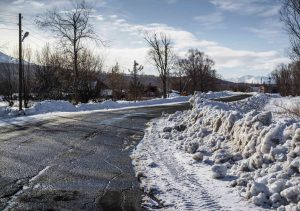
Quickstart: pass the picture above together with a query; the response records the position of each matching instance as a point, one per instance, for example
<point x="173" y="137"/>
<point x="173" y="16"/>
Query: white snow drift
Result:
<point x="50" y="106"/>
<point x="239" y="142"/>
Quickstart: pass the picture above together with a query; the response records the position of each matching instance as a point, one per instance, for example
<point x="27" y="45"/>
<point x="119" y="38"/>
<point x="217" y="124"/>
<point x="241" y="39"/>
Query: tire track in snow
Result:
<point x="190" y="194"/>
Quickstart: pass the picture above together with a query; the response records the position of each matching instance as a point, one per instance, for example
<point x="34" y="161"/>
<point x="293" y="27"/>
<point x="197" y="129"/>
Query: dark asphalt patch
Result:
<point x="90" y="170"/>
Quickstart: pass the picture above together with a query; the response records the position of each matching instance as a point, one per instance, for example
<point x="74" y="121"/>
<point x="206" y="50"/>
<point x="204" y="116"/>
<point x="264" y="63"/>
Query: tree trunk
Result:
<point x="164" y="86"/>
<point x="76" y="88"/>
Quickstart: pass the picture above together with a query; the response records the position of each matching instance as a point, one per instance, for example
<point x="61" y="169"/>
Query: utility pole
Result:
<point x="20" y="63"/>
<point x="21" y="39"/>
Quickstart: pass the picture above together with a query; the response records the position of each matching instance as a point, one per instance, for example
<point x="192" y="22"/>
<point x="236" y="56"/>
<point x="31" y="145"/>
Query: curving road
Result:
<point x="74" y="162"/>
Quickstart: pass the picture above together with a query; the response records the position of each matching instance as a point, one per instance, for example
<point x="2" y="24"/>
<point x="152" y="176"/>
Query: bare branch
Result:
<point x="161" y="54"/>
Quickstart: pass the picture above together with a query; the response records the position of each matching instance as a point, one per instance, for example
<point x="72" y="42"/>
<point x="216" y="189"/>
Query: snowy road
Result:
<point x="73" y="162"/>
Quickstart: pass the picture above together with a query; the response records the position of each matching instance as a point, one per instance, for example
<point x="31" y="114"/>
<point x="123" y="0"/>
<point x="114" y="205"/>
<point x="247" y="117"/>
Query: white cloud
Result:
<point x="271" y="30"/>
<point x="227" y="60"/>
<point x="128" y="44"/>
<point x="263" y="8"/>
<point x="211" y="21"/>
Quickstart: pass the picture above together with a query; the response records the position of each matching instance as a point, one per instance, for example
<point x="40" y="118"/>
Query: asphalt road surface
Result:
<point x="74" y="162"/>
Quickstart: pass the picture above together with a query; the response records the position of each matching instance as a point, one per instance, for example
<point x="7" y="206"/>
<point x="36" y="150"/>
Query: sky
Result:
<point x="243" y="37"/>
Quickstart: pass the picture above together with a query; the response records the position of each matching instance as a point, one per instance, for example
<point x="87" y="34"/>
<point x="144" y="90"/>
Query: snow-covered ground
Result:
<point x="222" y="156"/>
<point x="284" y="107"/>
<point x="50" y="106"/>
<point x="58" y="106"/>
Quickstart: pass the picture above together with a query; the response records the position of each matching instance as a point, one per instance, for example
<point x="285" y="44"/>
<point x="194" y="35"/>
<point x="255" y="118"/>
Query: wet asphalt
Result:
<point x="74" y="162"/>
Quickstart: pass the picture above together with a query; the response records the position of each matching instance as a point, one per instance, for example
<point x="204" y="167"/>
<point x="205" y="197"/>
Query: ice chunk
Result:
<point x="219" y="171"/>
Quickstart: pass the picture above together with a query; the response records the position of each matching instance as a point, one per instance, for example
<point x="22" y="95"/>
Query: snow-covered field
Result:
<point x="243" y="155"/>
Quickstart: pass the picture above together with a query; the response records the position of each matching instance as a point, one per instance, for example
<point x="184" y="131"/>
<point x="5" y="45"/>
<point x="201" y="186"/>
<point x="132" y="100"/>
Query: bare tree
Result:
<point x="198" y="67"/>
<point x="179" y="79"/>
<point x="290" y="15"/>
<point x="52" y="74"/>
<point x="8" y="81"/>
<point x="135" y="85"/>
<point x="296" y="78"/>
<point x="90" y="68"/>
<point x="116" y="82"/>
<point x="72" y="27"/>
<point x="161" y="55"/>
<point x="282" y="76"/>
<point x="28" y="74"/>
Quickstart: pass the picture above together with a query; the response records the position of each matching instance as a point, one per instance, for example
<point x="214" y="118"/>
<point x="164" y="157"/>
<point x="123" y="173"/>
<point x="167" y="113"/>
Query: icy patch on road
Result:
<point x="255" y="158"/>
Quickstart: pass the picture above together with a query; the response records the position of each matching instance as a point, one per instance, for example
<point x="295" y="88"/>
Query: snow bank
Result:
<point x="51" y="106"/>
<point x="122" y="104"/>
<point x="217" y="95"/>
<point x="262" y="155"/>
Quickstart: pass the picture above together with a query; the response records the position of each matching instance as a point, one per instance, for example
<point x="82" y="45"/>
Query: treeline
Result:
<point x="287" y="76"/>
<point x="70" y="70"/>
<point x="54" y="78"/>
<point x="287" y="79"/>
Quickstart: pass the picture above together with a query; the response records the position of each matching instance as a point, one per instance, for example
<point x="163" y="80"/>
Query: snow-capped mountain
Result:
<point x="250" y="79"/>
<point x="7" y="59"/>
<point x="4" y="58"/>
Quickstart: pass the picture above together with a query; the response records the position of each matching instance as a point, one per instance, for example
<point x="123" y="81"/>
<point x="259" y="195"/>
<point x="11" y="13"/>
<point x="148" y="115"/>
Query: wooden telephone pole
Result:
<point x="20" y="64"/>
<point x="21" y="72"/>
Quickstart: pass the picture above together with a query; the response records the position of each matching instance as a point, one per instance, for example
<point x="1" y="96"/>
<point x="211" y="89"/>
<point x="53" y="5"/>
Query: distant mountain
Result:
<point x="7" y="59"/>
<point x="250" y="79"/>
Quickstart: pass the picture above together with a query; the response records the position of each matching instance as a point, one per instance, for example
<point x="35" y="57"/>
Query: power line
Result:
<point x="34" y="32"/>
<point x="37" y="38"/>
<point x="29" y="23"/>
<point x="8" y="29"/>
<point x="6" y="15"/>
<point x="7" y="22"/>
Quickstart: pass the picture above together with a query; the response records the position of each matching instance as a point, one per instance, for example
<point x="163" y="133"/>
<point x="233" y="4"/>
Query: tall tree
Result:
<point x="161" y="55"/>
<point x="199" y="68"/>
<point x="116" y="82"/>
<point x="135" y="85"/>
<point x="72" y="27"/>
<point x="8" y="81"/>
<point x="282" y="76"/>
<point x="90" y="68"/>
<point x="290" y="15"/>
<point x="50" y="74"/>
<point x="28" y="73"/>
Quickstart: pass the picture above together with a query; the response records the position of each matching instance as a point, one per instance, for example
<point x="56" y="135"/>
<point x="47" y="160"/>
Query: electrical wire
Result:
<point x="7" y="22"/>
<point x="32" y="32"/>
<point x="1" y="28"/>
<point x="6" y="15"/>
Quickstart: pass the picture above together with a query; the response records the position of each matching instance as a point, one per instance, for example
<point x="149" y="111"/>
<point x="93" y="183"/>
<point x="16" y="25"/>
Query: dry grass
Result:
<point x="290" y="110"/>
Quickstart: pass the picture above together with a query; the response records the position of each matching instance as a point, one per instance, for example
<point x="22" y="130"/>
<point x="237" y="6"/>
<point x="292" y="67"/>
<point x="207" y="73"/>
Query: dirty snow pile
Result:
<point x="238" y="142"/>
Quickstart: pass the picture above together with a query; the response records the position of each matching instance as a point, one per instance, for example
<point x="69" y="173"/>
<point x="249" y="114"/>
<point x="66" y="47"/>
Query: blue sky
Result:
<point x="244" y="37"/>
